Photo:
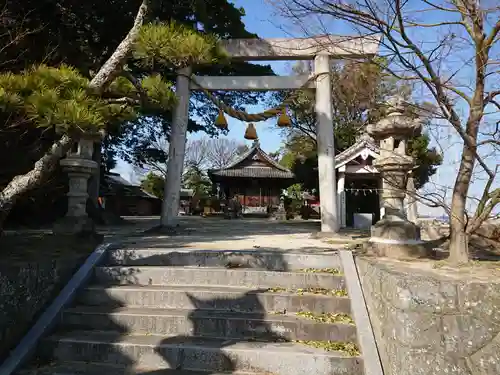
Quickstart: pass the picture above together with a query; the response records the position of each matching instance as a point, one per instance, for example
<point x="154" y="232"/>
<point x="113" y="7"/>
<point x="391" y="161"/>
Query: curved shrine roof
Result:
<point x="254" y="163"/>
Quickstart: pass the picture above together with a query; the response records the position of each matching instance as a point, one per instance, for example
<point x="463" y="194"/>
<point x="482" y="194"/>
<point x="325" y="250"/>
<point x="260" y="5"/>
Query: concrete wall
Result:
<point x="431" y="321"/>
<point x="25" y="290"/>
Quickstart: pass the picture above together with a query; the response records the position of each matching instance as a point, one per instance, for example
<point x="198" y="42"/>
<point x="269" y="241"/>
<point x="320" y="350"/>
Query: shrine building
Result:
<point x="255" y="178"/>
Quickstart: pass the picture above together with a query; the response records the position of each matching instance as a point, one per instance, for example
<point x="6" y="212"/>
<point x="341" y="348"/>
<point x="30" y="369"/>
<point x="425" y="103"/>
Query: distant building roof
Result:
<point x="114" y="184"/>
<point x="254" y="163"/>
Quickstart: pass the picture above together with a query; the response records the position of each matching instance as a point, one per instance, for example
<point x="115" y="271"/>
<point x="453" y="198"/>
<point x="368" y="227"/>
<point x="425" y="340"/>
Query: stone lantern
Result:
<point x="394" y="235"/>
<point x="79" y="166"/>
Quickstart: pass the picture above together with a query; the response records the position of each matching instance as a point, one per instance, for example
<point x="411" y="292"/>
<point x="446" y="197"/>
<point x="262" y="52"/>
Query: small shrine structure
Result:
<point x="255" y="179"/>
<point x="359" y="184"/>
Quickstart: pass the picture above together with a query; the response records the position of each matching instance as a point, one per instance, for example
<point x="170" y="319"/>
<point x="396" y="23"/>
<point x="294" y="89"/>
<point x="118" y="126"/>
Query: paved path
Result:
<point x="239" y="234"/>
<point x="219" y="234"/>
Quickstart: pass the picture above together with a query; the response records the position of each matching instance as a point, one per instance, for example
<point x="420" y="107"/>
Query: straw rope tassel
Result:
<point x="284" y="121"/>
<point x="220" y="120"/>
<point x="251" y="133"/>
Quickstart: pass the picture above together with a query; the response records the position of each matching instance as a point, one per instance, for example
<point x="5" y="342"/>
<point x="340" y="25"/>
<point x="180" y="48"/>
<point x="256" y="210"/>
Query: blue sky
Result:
<point x="261" y="19"/>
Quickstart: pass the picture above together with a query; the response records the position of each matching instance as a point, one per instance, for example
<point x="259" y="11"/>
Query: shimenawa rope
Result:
<point x="254" y="117"/>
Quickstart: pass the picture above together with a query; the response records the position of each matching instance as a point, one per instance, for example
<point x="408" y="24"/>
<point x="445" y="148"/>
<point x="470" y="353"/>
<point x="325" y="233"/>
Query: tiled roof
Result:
<point x="254" y="173"/>
<point x="115" y="184"/>
<point x="236" y="169"/>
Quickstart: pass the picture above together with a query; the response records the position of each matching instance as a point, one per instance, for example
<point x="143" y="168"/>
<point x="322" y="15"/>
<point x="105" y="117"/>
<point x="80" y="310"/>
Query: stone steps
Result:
<point x="205" y="323"/>
<point x="180" y="313"/>
<point x="198" y="354"/>
<point x="210" y="297"/>
<point x="193" y="275"/>
<point x="270" y="260"/>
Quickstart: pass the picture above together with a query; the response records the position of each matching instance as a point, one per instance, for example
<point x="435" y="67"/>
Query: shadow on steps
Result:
<point x="81" y="349"/>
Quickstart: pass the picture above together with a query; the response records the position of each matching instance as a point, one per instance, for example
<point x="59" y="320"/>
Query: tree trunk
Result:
<point x="43" y="168"/>
<point x="459" y="252"/>
<point x="459" y="238"/>
<point x="113" y="65"/>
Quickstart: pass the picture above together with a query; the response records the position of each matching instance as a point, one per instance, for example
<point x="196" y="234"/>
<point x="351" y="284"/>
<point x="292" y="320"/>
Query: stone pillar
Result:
<point x="412" y="208"/>
<point x="341" y="199"/>
<point x="79" y="166"/>
<point x="177" y="148"/>
<point x="326" y="149"/>
<point x="381" y="202"/>
<point x="393" y="235"/>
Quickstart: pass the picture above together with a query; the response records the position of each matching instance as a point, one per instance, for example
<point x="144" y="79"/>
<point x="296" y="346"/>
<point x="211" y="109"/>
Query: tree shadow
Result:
<point x="271" y="259"/>
<point x="192" y="336"/>
<point x="217" y="333"/>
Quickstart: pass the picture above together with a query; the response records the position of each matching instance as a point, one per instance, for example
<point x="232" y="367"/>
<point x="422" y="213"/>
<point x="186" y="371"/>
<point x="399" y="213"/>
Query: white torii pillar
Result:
<point x="326" y="147"/>
<point x="177" y="148"/>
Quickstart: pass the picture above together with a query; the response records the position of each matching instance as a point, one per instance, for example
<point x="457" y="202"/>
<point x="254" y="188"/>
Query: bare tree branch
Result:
<point x="222" y="151"/>
<point x="455" y="65"/>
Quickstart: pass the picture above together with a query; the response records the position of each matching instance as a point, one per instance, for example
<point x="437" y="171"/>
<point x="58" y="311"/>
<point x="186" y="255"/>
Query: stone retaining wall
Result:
<point x="433" y="321"/>
<point x="433" y="230"/>
<point x="25" y="290"/>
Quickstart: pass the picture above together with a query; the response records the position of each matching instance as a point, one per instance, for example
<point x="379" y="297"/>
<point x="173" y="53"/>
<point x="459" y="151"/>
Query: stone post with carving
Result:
<point x="79" y="166"/>
<point x="394" y="235"/>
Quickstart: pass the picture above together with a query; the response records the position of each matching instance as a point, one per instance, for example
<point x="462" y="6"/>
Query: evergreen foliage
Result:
<point x="173" y="44"/>
<point x="153" y="184"/>
<point x="59" y="96"/>
<point x="84" y="34"/>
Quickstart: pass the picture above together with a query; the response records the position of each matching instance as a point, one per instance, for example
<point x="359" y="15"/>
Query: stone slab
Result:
<point x="206" y="297"/>
<point x="275" y="261"/>
<point x="301" y="48"/>
<point x="190" y="353"/>
<point x="205" y="323"/>
<point x="250" y="278"/>
<point x="252" y="83"/>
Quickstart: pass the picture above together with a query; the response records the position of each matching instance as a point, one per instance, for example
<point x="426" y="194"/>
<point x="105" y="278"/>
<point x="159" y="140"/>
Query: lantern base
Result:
<point x="396" y="239"/>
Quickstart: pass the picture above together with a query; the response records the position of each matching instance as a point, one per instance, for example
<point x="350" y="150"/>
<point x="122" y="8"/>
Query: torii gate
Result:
<point x="321" y="50"/>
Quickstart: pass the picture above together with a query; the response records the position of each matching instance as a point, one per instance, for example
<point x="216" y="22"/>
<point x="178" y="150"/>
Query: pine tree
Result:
<point x="63" y="99"/>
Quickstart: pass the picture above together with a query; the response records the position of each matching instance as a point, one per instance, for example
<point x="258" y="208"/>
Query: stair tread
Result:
<point x="200" y="313"/>
<point x="257" y="251"/>
<point x="161" y="341"/>
<point x="197" y="288"/>
<point x="221" y="269"/>
<point x="87" y="368"/>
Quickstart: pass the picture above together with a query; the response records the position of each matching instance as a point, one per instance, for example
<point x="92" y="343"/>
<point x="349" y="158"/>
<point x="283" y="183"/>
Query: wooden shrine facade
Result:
<point x="255" y="179"/>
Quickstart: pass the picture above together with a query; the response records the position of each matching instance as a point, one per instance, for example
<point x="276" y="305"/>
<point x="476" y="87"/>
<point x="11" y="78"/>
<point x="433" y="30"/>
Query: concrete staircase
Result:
<point x="175" y="312"/>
